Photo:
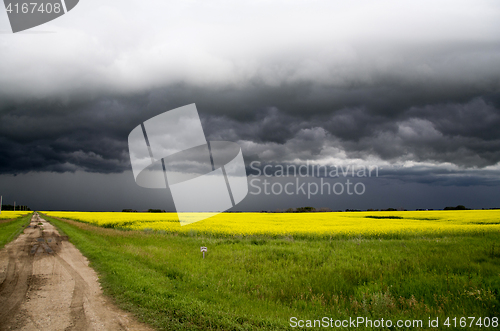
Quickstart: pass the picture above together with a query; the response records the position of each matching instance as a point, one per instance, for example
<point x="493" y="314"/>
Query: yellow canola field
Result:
<point x="332" y="224"/>
<point x="8" y="214"/>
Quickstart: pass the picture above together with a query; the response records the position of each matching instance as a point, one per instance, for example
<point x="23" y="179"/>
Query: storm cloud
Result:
<point x="404" y="85"/>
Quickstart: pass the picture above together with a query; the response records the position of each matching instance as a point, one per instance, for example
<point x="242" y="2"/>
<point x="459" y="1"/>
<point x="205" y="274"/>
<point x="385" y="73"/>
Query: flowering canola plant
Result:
<point x="8" y="214"/>
<point x="320" y="224"/>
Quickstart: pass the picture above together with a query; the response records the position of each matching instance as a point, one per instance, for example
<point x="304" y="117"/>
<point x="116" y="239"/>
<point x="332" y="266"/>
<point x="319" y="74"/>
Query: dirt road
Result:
<point x="46" y="284"/>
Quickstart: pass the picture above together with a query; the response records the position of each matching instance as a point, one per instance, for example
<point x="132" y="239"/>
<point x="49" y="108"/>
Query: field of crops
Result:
<point x="255" y="276"/>
<point x="9" y="230"/>
<point x="12" y="214"/>
<point x="303" y="225"/>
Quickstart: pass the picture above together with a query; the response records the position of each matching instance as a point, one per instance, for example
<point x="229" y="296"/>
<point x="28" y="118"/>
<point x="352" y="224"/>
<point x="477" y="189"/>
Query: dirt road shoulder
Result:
<point x="47" y="284"/>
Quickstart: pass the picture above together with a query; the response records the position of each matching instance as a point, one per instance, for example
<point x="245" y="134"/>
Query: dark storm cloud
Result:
<point x="464" y="134"/>
<point x="43" y="136"/>
<point x="384" y="84"/>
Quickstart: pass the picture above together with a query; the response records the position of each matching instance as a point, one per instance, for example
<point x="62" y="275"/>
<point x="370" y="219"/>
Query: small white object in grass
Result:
<point x="203" y="249"/>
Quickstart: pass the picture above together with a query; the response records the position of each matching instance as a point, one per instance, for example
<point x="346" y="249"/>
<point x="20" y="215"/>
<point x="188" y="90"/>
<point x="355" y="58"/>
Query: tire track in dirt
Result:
<point x="15" y="284"/>
<point x="46" y="284"/>
<point x="77" y="309"/>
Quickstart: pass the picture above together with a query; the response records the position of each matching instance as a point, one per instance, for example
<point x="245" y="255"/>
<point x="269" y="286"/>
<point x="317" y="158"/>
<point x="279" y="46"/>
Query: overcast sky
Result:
<point x="412" y="87"/>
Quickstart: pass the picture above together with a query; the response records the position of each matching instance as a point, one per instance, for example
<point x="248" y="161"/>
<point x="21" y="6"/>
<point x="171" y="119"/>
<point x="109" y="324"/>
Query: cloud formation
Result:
<point x="392" y="83"/>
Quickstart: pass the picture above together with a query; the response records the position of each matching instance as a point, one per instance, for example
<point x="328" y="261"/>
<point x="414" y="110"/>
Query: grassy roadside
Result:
<point x="251" y="284"/>
<point x="9" y="230"/>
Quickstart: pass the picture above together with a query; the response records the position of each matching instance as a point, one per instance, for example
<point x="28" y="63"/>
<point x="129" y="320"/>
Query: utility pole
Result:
<point x="14" y="206"/>
<point x="1" y="198"/>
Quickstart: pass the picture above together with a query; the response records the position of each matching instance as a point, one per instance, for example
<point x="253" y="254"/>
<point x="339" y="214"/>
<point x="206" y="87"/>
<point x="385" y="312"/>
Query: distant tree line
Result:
<point x="149" y="211"/>
<point x="11" y="207"/>
<point x="459" y="207"/>
<point x="300" y="210"/>
<point x="388" y="209"/>
<point x="156" y="211"/>
<point x="307" y="209"/>
<point x="324" y="209"/>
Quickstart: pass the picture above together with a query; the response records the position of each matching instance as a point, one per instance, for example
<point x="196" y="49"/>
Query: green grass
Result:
<point x="9" y="230"/>
<point x="260" y="283"/>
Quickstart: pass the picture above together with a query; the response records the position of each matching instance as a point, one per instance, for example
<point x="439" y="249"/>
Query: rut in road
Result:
<point x="46" y="284"/>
